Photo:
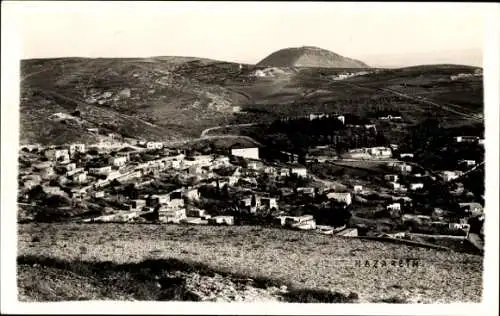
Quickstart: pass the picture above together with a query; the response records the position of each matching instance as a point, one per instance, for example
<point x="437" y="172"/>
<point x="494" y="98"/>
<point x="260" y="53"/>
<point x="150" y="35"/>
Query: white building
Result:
<point x="251" y="153"/>
<point x="76" y="148"/>
<point x="138" y="204"/>
<point x="192" y="194"/>
<point x="195" y="170"/>
<point x="57" y="154"/>
<point x="269" y="202"/>
<point x="104" y="170"/>
<point x="380" y="151"/>
<point x="472" y="207"/>
<point x="159" y="198"/>
<point x="358" y="188"/>
<point x="222" y="220"/>
<point x="53" y="190"/>
<point x="176" y="203"/>
<point x="391" y="177"/>
<point x="306" y="191"/>
<point x="468" y="163"/>
<point x="394" y="185"/>
<point x="221" y="161"/>
<point x="340" y="197"/>
<point x="284" y="172"/>
<point x="390" y="117"/>
<point x="450" y="175"/>
<point x="71" y="166"/>
<point x="154" y="145"/>
<point x="118" y="161"/>
<point x="99" y="194"/>
<point x="416" y="186"/>
<point x="299" y="171"/>
<point x="406" y="155"/>
<point x="195" y="212"/>
<point x="79" y="177"/>
<point x="468" y="139"/>
<point x="394" y="207"/>
<point x="401" y="167"/>
<point x="167" y="214"/>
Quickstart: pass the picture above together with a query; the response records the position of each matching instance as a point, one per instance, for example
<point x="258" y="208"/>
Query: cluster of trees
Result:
<point x="298" y="135"/>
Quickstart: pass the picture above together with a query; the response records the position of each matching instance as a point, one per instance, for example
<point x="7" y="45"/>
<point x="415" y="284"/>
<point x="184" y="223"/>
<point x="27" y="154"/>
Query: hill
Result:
<point x="175" y="98"/>
<point x="148" y="98"/>
<point x="79" y="256"/>
<point x="309" y="56"/>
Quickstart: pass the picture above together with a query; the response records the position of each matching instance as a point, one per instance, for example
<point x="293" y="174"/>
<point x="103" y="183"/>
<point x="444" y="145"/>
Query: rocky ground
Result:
<point x="215" y="261"/>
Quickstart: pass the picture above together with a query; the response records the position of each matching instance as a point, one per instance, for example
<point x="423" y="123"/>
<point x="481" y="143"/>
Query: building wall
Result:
<point x="251" y="153"/>
<point x="300" y="172"/>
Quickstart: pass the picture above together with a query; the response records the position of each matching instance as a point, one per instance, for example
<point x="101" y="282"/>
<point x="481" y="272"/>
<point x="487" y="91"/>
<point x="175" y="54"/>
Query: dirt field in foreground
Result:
<point x="299" y="259"/>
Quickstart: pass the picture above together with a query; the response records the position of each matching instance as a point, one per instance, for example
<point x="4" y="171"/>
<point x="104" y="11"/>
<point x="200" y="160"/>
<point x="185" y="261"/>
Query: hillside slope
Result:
<point x="175" y="98"/>
<point x="300" y="260"/>
<point x="142" y="98"/>
<point x="309" y="56"/>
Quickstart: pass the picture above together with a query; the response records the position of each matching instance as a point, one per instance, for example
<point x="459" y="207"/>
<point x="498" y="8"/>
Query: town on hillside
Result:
<point x="141" y="181"/>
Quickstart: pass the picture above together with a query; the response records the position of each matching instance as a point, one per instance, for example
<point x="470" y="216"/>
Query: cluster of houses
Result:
<point x="65" y="172"/>
<point x="74" y="172"/>
<point x="469" y="139"/>
<point x="369" y="153"/>
<point x="346" y="75"/>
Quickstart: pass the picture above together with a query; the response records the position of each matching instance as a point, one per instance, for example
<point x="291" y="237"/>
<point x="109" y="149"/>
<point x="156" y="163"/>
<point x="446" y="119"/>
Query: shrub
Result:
<point x="318" y="296"/>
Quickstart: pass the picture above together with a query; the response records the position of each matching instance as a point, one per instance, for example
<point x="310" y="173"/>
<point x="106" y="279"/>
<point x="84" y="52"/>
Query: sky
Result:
<point x="380" y="34"/>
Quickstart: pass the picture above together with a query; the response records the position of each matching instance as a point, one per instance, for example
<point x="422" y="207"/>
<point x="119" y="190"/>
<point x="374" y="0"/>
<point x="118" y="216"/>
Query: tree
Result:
<point x="56" y="201"/>
<point x="380" y="139"/>
<point x="36" y="193"/>
<point x="253" y="203"/>
<point x="131" y="191"/>
<point x="218" y="187"/>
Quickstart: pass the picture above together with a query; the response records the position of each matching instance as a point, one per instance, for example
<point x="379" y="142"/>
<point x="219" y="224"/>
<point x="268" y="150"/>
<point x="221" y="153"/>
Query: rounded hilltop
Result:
<point x="309" y="56"/>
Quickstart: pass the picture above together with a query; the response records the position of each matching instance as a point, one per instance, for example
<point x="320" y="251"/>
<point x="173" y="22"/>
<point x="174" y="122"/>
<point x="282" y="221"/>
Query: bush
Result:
<point x="56" y="201"/>
<point x="318" y="296"/>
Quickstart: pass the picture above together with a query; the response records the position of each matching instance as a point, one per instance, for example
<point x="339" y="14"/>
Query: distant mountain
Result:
<point x="310" y="56"/>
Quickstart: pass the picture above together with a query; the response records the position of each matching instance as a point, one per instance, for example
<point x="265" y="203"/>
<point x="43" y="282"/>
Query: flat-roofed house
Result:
<point x="268" y="202"/>
<point x="138" y="204"/>
<point x="57" y="154"/>
<point x="306" y="191"/>
<point x="222" y="220"/>
<point x="118" y="161"/>
<point x="394" y="207"/>
<point x="341" y="197"/>
<point x="473" y="208"/>
<point x="299" y="171"/>
<point x="102" y="170"/>
<point x="250" y="153"/>
<point x="391" y="177"/>
<point x="76" y="148"/>
<point x="358" y="189"/>
<point x="154" y="145"/>
<point x="55" y="190"/>
<point x="416" y="186"/>
<point x="192" y="194"/>
<point x="167" y="214"/>
<point x="80" y="177"/>
<point x="450" y="175"/>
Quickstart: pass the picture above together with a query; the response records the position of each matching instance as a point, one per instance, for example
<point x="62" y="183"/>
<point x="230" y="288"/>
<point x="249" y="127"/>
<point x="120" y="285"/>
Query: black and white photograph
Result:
<point x="262" y="153"/>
